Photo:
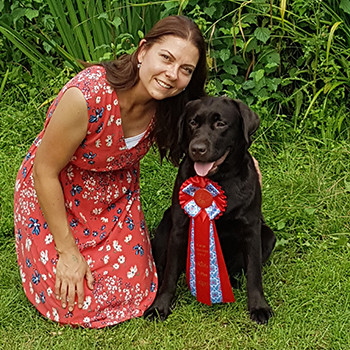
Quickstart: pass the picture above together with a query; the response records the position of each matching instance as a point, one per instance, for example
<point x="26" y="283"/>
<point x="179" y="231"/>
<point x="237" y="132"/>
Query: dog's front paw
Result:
<point x="158" y="311"/>
<point x="261" y="315"/>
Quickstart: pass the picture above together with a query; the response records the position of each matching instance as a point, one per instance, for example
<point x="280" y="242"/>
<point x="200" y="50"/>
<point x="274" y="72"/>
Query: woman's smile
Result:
<point x="164" y="85"/>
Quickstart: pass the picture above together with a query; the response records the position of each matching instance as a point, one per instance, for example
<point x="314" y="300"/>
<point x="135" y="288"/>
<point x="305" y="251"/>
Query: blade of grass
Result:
<point x="95" y="29"/>
<point x="56" y="8"/>
<point x="3" y="83"/>
<point x="330" y="39"/>
<point x="104" y="26"/>
<point x="77" y="31"/>
<point x="84" y="23"/>
<point x="283" y="8"/>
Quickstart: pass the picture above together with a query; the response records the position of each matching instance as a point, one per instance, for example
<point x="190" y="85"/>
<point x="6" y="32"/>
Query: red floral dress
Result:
<point x="102" y="199"/>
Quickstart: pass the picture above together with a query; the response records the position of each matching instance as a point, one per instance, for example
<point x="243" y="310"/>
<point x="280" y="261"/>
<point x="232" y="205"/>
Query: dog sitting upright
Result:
<point x="215" y="137"/>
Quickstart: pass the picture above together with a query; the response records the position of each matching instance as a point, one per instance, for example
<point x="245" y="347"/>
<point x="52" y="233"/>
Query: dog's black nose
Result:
<point x="198" y="149"/>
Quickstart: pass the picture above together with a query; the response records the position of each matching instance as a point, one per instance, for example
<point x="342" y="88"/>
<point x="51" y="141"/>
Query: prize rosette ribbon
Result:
<point x="204" y="201"/>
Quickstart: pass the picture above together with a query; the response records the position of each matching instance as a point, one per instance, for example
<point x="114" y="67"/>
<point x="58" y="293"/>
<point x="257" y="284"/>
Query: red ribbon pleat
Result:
<point x="226" y="289"/>
<point x="202" y="258"/>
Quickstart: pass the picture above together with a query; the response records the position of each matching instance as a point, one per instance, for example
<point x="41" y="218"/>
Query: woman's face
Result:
<point x="167" y="66"/>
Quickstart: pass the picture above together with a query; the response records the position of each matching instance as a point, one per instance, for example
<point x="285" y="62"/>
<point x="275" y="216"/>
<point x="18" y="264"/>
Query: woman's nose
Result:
<point x="171" y="72"/>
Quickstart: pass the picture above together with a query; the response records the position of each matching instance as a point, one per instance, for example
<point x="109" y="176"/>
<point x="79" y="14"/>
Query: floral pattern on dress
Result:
<point x="102" y="201"/>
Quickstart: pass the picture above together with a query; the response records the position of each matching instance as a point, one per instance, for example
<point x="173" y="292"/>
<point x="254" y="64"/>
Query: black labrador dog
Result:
<point x="215" y="136"/>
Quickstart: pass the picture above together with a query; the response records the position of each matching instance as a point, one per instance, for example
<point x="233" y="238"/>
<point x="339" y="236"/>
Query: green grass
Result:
<point x="307" y="280"/>
<point x="309" y="292"/>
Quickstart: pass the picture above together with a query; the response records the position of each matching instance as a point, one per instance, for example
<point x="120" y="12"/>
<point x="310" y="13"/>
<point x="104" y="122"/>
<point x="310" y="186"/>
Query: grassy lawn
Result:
<point x="307" y="279"/>
<point x="308" y="290"/>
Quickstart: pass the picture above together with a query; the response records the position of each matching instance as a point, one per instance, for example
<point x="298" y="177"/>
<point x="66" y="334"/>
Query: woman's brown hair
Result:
<point x="122" y="74"/>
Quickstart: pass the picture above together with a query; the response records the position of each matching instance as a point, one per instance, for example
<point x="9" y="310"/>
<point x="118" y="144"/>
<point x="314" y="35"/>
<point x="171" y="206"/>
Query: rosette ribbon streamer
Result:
<point x="204" y="201"/>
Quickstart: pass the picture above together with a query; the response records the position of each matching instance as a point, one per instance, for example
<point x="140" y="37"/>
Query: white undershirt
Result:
<point x="134" y="140"/>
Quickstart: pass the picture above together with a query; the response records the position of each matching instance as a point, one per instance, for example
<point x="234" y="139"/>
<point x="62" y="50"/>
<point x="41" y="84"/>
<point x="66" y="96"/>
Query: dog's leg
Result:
<point x="160" y="245"/>
<point x="258" y="307"/>
<point x="268" y="241"/>
<point x="175" y="264"/>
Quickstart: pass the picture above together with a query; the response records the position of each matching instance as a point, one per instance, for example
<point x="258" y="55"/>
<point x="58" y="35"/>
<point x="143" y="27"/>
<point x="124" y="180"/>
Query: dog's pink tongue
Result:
<point x="202" y="169"/>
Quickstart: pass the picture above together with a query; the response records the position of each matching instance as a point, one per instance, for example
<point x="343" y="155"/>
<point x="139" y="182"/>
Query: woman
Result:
<point x="82" y="245"/>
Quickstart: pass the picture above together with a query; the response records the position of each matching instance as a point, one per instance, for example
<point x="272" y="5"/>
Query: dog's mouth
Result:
<point x="204" y="169"/>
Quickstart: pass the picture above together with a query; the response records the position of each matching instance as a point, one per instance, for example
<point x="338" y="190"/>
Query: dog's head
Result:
<point x="211" y="128"/>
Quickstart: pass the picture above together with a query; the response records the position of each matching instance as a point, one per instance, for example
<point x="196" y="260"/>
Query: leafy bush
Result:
<point x="287" y="59"/>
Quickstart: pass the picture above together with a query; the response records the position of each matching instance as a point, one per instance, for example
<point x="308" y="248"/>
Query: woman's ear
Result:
<point x="142" y="50"/>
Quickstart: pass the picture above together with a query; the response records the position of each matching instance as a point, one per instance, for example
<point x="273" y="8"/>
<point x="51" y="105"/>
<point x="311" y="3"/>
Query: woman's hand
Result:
<point x="71" y="270"/>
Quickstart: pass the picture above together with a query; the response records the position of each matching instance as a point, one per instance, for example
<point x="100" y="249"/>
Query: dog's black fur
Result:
<point x="210" y="128"/>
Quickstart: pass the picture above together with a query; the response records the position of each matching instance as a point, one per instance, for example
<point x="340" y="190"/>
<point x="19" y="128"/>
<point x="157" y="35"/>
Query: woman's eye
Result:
<point x="166" y="57"/>
<point x="188" y="71"/>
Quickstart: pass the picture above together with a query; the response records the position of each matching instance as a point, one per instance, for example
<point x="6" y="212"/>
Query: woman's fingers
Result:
<point x="71" y="297"/>
<point x="89" y="278"/>
<point x="70" y="281"/>
<point x="80" y="294"/>
<point x="58" y="288"/>
<point x="63" y="294"/>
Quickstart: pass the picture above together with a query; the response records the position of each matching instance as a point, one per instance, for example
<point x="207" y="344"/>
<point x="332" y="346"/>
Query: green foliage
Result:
<point x="288" y="57"/>
<point x="292" y="62"/>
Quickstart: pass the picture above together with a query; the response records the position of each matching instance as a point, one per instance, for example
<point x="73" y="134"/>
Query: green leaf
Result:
<point x="310" y="211"/>
<point x="273" y="57"/>
<point x="228" y="82"/>
<point x="230" y="68"/>
<point x="17" y="14"/>
<point x="271" y="65"/>
<point x="259" y="75"/>
<point x="47" y="47"/>
<point x="225" y="54"/>
<point x="218" y="85"/>
<point x="30" y="13"/>
<point x="240" y="43"/>
<point x="273" y="84"/>
<point x="299" y="96"/>
<point x="48" y="22"/>
<point x="210" y="11"/>
<point x="300" y="61"/>
<point x="251" y="44"/>
<point x="347" y="185"/>
<point x="117" y="22"/>
<point x="140" y="34"/>
<point x="103" y="15"/>
<point x="249" y="84"/>
<point x="345" y="5"/>
<point x="281" y="225"/>
<point x="262" y="34"/>
<point x="281" y="243"/>
<point x="341" y="241"/>
<point x="1" y="5"/>
<point x="225" y="31"/>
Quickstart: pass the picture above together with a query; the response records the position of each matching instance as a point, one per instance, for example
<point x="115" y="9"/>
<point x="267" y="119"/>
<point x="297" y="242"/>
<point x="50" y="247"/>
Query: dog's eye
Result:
<point x="193" y="123"/>
<point x="219" y="124"/>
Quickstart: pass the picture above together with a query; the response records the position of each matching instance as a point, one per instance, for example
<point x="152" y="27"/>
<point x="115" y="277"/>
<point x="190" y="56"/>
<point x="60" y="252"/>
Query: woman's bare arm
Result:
<point x="65" y="132"/>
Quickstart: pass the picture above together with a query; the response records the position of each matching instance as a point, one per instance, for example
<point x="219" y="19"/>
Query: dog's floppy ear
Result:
<point x="181" y="145"/>
<point x="251" y="120"/>
<point x="181" y="126"/>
